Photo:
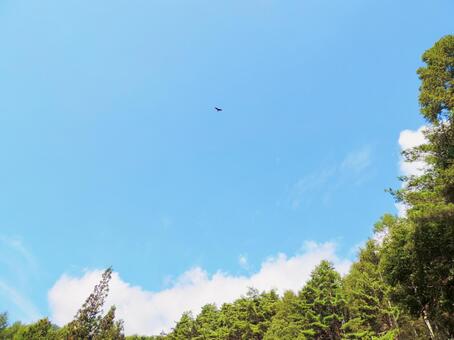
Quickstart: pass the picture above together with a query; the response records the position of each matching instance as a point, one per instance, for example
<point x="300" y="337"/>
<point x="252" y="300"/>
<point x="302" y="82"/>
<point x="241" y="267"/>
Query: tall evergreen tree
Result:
<point x="323" y="303"/>
<point x="184" y="329"/>
<point x="89" y="322"/>
<point x="40" y="330"/>
<point x="250" y="316"/>
<point x="208" y="323"/>
<point x="369" y="307"/>
<point x="419" y="259"/>
<point x="289" y="322"/>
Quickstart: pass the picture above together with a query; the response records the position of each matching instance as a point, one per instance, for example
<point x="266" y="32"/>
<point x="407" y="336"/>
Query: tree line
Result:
<point x="400" y="287"/>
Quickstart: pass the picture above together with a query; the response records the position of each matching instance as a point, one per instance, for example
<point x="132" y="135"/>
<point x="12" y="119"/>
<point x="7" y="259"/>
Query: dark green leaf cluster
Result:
<point x="361" y="305"/>
<point x="327" y="307"/>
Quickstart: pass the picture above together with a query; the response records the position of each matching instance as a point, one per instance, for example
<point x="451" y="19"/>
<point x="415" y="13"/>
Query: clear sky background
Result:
<point x="111" y="152"/>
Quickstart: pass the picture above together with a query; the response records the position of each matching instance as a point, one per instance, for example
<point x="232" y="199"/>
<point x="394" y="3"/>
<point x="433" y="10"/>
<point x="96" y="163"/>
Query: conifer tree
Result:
<point x="184" y="329"/>
<point x="288" y="323"/>
<point x="419" y="256"/>
<point x="40" y="330"/>
<point x="370" y="310"/>
<point x="208" y="323"/>
<point x="250" y="316"/>
<point x="323" y="303"/>
<point x="89" y="322"/>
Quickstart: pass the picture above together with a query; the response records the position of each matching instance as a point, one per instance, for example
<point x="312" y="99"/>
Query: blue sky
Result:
<point x="112" y="154"/>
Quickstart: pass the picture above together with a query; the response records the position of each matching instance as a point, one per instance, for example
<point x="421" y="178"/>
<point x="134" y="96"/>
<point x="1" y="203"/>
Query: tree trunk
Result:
<point x="396" y="325"/>
<point x="427" y="322"/>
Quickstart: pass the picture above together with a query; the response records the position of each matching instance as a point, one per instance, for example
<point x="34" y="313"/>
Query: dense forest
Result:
<point x="400" y="287"/>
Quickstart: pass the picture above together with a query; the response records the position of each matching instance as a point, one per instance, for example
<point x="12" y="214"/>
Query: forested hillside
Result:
<point x="400" y="287"/>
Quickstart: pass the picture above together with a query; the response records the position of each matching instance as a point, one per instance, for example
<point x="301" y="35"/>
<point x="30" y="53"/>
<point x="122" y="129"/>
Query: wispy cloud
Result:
<point x="24" y="305"/>
<point x="304" y="188"/>
<point x="148" y="312"/>
<point x="357" y="161"/>
<point x="20" y="268"/>
<point x="18" y="249"/>
<point x="354" y="167"/>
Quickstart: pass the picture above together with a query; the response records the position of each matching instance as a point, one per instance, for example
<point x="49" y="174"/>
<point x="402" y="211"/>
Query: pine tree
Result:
<point x="208" y="323"/>
<point x="370" y="310"/>
<point x="250" y="316"/>
<point x="323" y="303"/>
<point x="40" y="330"/>
<point x="419" y="256"/>
<point x="288" y="323"/>
<point x="89" y="322"/>
<point x="184" y="329"/>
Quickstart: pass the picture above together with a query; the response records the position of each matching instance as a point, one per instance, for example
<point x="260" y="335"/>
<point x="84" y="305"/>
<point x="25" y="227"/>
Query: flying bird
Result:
<point x="217" y="109"/>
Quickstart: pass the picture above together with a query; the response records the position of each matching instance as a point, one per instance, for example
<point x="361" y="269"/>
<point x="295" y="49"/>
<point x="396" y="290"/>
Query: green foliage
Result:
<point x="40" y="330"/>
<point x="419" y="250"/>
<point x="249" y="317"/>
<point x="323" y="303"/>
<point x="288" y="323"/>
<point x="437" y="88"/>
<point x="89" y="322"/>
<point x="208" y="323"/>
<point x="369" y="307"/>
<point x="3" y="321"/>
<point x="13" y="332"/>
<point x="185" y="328"/>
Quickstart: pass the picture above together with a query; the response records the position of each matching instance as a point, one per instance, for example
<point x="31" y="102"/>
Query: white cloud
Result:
<point x="321" y="184"/>
<point x="147" y="312"/>
<point x="401" y="209"/>
<point x="409" y="139"/>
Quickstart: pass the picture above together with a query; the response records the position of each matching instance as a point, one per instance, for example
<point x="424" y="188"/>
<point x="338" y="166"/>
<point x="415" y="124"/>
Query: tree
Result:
<point x="208" y="323"/>
<point x="419" y="256"/>
<point x="323" y="303"/>
<point x="40" y="330"/>
<point x="109" y="329"/>
<point x="184" y="329"/>
<point x="370" y="310"/>
<point x="250" y="316"/>
<point x="14" y="331"/>
<point x="89" y="322"/>
<point x="437" y="87"/>
<point x="288" y="323"/>
<point x="3" y="321"/>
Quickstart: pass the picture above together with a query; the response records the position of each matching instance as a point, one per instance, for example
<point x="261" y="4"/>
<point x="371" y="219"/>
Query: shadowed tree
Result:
<point x="89" y="322"/>
<point x="419" y="252"/>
